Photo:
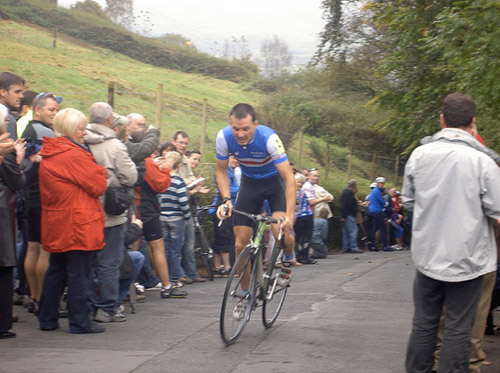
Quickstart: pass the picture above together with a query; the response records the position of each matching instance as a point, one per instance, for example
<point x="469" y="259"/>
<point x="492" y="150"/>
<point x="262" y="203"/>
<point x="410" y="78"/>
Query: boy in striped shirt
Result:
<point x="175" y="213"/>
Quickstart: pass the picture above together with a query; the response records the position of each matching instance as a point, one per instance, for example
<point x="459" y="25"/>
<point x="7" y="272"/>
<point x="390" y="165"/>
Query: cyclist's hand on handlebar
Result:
<point x="224" y="210"/>
<point x="285" y="224"/>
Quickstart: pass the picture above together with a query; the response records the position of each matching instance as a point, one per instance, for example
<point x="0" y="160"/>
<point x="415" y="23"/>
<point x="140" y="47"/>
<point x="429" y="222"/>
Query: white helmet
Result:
<point x="373" y="185"/>
<point x="380" y="179"/>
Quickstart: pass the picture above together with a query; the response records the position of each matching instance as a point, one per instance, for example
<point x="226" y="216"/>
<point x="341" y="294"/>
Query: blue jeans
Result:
<point x="104" y="292"/>
<point x="173" y="235"/>
<point x="188" y="259"/>
<point x="378" y="223"/>
<point x="71" y="268"/>
<point x="350" y="234"/>
<point x="461" y="300"/>
<point x="137" y="262"/>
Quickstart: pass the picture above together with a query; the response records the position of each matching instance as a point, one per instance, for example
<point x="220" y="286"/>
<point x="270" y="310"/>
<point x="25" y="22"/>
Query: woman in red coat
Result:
<point x="72" y="221"/>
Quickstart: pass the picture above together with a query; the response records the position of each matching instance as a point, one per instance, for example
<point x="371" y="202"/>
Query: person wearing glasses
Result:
<point x="266" y="174"/>
<point x="36" y="262"/>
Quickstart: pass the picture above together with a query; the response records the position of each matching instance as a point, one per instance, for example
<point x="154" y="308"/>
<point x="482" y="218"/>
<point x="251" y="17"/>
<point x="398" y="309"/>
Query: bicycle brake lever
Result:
<point x="226" y="208"/>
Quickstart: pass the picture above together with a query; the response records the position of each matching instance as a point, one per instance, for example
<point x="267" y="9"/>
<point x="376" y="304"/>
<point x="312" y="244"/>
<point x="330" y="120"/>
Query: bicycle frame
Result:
<point x="256" y="241"/>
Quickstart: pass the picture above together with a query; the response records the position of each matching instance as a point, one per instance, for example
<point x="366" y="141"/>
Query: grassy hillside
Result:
<point x="95" y="27"/>
<point x="81" y="73"/>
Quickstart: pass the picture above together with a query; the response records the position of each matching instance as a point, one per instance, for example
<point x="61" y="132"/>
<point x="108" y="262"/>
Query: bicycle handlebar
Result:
<point x="258" y="218"/>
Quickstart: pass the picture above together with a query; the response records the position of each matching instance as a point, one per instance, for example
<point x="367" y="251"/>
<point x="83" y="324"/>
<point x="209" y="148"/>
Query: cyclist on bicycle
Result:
<point x="266" y="174"/>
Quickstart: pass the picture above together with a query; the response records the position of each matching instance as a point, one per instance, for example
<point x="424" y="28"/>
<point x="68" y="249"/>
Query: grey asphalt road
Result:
<point x="348" y="313"/>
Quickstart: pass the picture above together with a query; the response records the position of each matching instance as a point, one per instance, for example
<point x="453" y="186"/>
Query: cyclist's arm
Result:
<point x="285" y="171"/>
<point x="223" y="183"/>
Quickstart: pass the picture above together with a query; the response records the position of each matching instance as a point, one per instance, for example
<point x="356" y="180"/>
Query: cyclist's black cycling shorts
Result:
<point x="252" y="195"/>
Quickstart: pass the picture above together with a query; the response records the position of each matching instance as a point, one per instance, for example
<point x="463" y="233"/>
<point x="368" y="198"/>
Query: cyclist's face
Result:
<point x="243" y="129"/>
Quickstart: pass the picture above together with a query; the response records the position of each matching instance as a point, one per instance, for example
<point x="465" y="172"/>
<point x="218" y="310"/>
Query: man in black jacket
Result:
<point x="349" y="209"/>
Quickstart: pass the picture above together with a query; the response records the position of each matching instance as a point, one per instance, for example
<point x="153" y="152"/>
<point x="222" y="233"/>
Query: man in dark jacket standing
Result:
<point x="11" y="179"/>
<point x="349" y="209"/>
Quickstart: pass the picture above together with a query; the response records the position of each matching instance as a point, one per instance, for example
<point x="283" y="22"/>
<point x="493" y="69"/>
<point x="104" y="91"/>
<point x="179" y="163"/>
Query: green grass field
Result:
<point x="81" y="74"/>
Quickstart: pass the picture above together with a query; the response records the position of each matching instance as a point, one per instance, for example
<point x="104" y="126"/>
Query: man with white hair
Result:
<point x="112" y="154"/>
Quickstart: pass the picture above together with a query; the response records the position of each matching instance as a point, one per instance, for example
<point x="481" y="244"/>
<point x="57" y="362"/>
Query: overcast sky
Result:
<point x="206" y="22"/>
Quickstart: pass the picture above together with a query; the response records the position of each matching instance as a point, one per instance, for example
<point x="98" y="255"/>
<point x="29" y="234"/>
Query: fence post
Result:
<point x="203" y="127"/>
<point x="349" y="163"/>
<point x="55" y="39"/>
<point x="299" y="156"/>
<point x="327" y="163"/>
<point x="159" y="100"/>
<point x="374" y="165"/>
<point x="111" y="94"/>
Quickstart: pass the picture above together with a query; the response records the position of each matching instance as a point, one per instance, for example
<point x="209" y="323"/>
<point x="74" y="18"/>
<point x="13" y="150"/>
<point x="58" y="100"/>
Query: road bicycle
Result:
<point x="251" y="284"/>
<point x="203" y="247"/>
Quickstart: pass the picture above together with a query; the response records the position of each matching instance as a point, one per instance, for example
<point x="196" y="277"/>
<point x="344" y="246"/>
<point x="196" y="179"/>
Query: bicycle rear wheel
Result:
<point x="273" y="295"/>
<point x="238" y="303"/>
<point x="207" y="256"/>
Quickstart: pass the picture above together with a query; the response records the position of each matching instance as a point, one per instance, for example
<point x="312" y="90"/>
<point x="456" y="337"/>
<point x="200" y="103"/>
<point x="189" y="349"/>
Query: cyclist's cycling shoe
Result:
<point x="285" y="276"/>
<point x="239" y="309"/>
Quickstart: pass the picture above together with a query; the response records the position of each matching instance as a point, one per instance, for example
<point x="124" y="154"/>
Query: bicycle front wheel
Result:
<point x="239" y="297"/>
<point x="273" y="295"/>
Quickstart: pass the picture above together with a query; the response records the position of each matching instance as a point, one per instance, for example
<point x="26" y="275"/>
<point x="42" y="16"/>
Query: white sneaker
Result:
<point x="139" y="288"/>
<point x="158" y="286"/>
<point x="239" y="309"/>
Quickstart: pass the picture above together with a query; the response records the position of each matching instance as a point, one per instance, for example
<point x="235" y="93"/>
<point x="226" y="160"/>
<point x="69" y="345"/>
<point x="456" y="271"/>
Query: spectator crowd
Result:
<point x="94" y="211"/>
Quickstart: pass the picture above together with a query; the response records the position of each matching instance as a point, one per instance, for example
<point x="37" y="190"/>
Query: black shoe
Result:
<point x="173" y="292"/>
<point x="63" y="314"/>
<point x="50" y="329"/>
<point x="388" y="248"/>
<point x="6" y="335"/>
<point x="373" y="249"/>
<point x="310" y="261"/>
<point x="93" y="328"/>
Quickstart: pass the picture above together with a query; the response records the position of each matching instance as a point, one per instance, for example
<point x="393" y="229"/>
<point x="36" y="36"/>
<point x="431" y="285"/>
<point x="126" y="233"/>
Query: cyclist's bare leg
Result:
<point x="288" y="237"/>
<point x="242" y="235"/>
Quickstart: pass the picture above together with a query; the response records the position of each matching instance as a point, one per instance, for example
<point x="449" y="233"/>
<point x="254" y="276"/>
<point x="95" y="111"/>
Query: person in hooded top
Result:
<point x="71" y="183"/>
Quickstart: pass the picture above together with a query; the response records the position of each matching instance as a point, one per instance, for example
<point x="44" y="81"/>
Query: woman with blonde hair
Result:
<point x="72" y="221"/>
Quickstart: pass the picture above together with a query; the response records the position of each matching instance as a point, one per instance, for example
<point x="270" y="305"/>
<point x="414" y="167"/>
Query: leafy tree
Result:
<point x="121" y="12"/>
<point x="437" y="47"/>
<point x="90" y="6"/>
<point x="275" y="57"/>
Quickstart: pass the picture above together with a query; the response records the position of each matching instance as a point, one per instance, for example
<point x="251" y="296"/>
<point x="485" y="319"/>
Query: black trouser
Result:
<point x="6" y="292"/>
<point x="303" y="235"/>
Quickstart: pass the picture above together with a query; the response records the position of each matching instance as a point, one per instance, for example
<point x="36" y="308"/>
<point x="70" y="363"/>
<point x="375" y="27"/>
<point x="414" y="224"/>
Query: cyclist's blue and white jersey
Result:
<point x="258" y="158"/>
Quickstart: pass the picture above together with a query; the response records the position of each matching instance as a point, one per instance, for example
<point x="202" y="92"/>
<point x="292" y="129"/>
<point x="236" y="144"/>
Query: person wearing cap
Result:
<point x="376" y="207"/>
<point x="36" y="262"/>
<point x="451" y="185"/>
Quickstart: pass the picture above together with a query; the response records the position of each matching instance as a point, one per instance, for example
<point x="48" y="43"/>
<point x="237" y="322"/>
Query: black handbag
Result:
<point x="117" y="200"/>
